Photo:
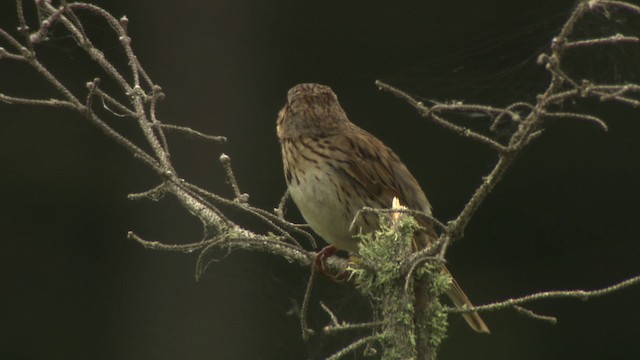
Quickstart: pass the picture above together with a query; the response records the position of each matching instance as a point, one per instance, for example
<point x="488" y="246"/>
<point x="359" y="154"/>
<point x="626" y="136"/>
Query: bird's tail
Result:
<point x="461" y="300"/>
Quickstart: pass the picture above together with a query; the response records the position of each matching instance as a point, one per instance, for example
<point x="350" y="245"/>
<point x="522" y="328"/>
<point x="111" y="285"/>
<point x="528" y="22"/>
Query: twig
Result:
<point x="350" y="327"/>
<point x="306" y="331"/>
<point x="240" y="197"/>
<point x="125" y="41"/>
<point x="415" y="261"/>
<point x="203" y="261"/>
<point x="336" y="326"/>
<point x="369" y="210"/>
<point x="91" y="94"/>
<point x="11" y="40"/>
<point x="4" y="54"/>
<point x="526" y="312"/>
<point x="279" y="211"/>
<point x="500" y="118"/>
<point x="332" y="316"/>
<point x="578" y="116"/>
<point x="23" y="28"/>
<point x="154" y="194"/>
<point x="455" y="228"/>
<point x="354" y="345"/>
<point x="431" y="114"/>
<point x="464" y="131"/>
<point x="42" y="33"/>
<point x="620" y="4"/>
<point x="191" y="132"/>
<point x="190" y="199"/>
<point x="143" y="96"/>
<point x="37" y="102"/>
<point x="157" y="95"/>
<point x="579" y="294"/>
<point x="459" y="107"/>
<point x="615" y="39"/>
<point x="106" y="98"/>
<point x="263" y="215"/>
<point x="156" y="245"/>
<point x="87" y="46"/>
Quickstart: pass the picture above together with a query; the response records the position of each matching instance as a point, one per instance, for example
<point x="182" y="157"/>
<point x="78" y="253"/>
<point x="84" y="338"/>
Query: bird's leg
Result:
<point x="320" y="266"/>
<point x="326" y="252"/>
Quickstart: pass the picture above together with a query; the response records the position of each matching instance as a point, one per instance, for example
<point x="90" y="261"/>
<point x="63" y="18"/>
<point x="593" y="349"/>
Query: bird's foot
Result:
<point x="320" y="265"/>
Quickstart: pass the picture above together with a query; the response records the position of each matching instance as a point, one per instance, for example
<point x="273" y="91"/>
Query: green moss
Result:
<point x="380" y="248"/>
<point x="383" y="279"/>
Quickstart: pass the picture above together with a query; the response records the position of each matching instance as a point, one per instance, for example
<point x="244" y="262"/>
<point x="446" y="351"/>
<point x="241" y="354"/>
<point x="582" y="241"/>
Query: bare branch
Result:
<point x="157" y="95"/>
<point x="142" y="97"/>
<point x="336" y="326"/>
<point x="13" y="41"/>
<point x="23" y="28"/>
<point x="609" y="40"/>
<point x="354" y="345"/>
<point x="279" y="211"/>
<point x="577" y="116"/>
<point x="155" y="245"/>
<point x="419" y="214"/>
<point x="204" y="258"/>
<point x="306" y="331"/>
<point x="270" y="219"/>
<point x="154" y="194"/>
<point x="4" y="54"/>
<point x="432" y="114"/>
<point x="332" y="316"/>
<point x="42" y="34"/>
<point x="54" y="81"/>
<point x="526" y="312"/>
<point x="459" y="107"/>
<point x="332" y="329"/>
<point x="415" y="261"/>
<point x="37" y="102"/>
<point x="191" y="132"/>
<point x="619" y="4"/>
<point x="108" y="100"/>
<point x="242" y="198"/>
<point x="501" y="118"/>
<point x="576" y="294"/>
<point x="98" y="56"/>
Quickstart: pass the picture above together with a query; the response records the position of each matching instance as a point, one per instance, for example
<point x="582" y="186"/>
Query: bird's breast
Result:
<point x="323" y="204"/>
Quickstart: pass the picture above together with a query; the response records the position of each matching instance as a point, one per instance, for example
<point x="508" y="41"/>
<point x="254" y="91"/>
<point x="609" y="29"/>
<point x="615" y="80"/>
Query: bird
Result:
<point x="333" y="168"/>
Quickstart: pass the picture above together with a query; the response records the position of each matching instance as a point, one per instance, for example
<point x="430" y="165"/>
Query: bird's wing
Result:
<point x="382" y="175"/>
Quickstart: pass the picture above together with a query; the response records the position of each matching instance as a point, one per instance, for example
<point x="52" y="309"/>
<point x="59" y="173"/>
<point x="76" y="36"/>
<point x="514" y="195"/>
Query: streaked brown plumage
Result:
<point x="334" y="168"/>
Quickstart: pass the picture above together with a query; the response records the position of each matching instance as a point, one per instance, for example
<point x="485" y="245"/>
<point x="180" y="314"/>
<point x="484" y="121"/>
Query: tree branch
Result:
<point x="559" y="294"/>
<point x="406" y="279"/>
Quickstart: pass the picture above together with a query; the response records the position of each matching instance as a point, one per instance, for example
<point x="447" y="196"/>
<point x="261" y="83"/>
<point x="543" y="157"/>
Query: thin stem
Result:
<point x="195" y="133"/>
<point x="11" y="40"/>
<point x="306" y="331"/>
<point x="576" y="294"/>
<point x="107" y="99"/>
<point x="37" y="102"/>
<point x="526" y="312"/>
<point x="242" y="198"/>
<point x="609" y="40"/>
<point x="620" y="4"/>
<point x="429" y="113"/>
<point x="120" y="31"/>
<point x="156" y="245"/>
<point x="23" y="28"/>
<point x="354" y="345"/>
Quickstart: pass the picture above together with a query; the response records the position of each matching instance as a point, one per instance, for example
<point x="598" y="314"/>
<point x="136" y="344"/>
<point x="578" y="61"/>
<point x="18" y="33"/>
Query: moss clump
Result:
<point x="383" y="250"/>
<point x="383" y="279"/>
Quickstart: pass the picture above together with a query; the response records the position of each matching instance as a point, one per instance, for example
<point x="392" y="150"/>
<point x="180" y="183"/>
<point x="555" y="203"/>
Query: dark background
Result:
<point x="565" y="216"/>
